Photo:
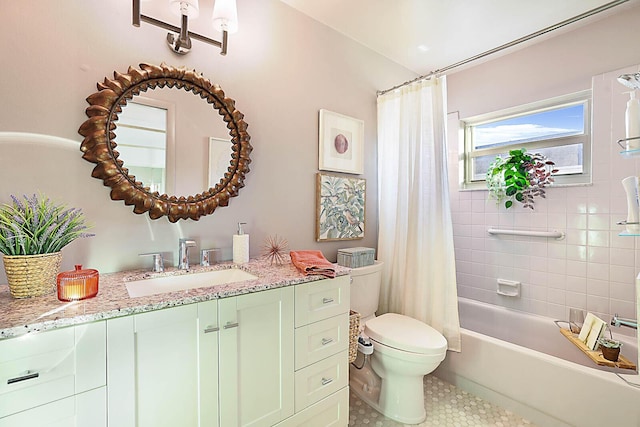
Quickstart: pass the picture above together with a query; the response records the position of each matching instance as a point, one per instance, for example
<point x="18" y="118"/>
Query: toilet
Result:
<point x="390" y="379"/>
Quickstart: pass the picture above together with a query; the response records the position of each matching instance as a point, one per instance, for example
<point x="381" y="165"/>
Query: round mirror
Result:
<point x="149" y="194"/>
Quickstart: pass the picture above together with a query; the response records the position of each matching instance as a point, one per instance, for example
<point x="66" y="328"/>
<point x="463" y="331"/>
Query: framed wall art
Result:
<point x="219" y="155"/>
<point x="340" y="207"/>
<point x="341" y="143"/>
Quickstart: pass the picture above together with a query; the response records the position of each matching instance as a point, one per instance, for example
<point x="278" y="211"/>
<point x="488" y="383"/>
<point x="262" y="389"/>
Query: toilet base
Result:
<point x="403" y="401"/>
<point x="384" y="396"/>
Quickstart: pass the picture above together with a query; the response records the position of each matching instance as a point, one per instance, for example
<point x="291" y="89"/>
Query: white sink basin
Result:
<point x="160" y="285"/>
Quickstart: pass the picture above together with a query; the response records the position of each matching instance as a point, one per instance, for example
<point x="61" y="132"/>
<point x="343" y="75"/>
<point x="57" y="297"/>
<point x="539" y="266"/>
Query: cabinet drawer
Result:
<point x="320" y="300"/>
<point x="322" y="339"/>
<point x="40" y="368"/>
<point x="85" y="409"/>
<point x="317" y="381"/>
<point x="332" y="411"/>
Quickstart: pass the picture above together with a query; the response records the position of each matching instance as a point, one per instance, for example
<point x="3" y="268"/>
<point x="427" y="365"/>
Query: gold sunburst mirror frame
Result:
<point x="99" y="145"/>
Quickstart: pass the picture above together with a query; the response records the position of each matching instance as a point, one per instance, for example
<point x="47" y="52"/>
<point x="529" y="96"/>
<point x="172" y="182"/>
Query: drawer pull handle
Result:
<point x="326" y="341"/>
<point x="28" y="376"/>
<point x="326" y="381"/>
<point x="327" y="300"/>
<point x="230" y="325"/>
<point x="211" y="329"/>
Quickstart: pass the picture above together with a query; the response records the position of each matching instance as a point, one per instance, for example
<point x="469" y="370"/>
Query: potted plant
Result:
<point x="520" y="177"/>
<point x="610" y="348"/>
<point x="32" y="233"/>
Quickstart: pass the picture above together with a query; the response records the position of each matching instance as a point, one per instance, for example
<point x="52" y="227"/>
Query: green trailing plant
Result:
<point x="35" y="225"/>
<point x="519" y="177"/>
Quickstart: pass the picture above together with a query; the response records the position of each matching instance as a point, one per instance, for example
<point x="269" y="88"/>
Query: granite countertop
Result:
<point x="21" y="316"/>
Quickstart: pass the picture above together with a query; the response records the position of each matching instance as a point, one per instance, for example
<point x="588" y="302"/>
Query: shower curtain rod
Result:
<point x="508" y="45"/>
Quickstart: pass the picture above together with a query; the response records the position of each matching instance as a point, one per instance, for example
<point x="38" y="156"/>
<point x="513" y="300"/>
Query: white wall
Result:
<point x="593" y="268"/>
<point x="281" y="68"/>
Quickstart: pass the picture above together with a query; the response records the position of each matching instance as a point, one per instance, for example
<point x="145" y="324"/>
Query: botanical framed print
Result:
<point x="340" y="207"/>
<point x="341" y="143"/>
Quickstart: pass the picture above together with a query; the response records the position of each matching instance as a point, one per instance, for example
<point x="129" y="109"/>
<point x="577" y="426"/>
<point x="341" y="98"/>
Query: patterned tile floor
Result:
<point x="446" y="405"/>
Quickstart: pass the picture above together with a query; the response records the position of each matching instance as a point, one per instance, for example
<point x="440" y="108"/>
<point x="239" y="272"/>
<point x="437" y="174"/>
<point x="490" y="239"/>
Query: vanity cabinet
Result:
<point x="55" y="378"/>
<point x="226" y="362"/>
<point x="265" y="358"/>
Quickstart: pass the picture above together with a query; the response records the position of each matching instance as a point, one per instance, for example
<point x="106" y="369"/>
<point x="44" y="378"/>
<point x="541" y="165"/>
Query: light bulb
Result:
<point x="188" y="8"/>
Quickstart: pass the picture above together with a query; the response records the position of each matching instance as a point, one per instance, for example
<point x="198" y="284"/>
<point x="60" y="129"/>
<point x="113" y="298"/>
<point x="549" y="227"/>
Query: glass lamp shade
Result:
<point x="188" y="8"/>
<point x="225" y="16"/>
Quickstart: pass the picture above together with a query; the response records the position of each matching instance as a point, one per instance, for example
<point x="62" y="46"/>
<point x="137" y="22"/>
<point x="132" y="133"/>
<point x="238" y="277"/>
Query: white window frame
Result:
<point x="584" y="178"/>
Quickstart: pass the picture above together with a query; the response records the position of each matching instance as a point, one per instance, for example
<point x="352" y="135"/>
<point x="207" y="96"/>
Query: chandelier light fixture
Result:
<point x="224" y="19"/>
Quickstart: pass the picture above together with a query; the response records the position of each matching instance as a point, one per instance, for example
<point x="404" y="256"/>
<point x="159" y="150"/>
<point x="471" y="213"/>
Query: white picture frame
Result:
<point x="341" y="143"/>
<point x="219" y="155"/>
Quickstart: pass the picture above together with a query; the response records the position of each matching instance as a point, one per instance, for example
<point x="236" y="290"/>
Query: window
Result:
<point x="144" y="140"/>
<point x="558" y="128"/>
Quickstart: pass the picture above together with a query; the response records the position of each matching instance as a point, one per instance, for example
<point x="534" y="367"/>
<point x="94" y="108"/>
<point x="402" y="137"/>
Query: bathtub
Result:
<point x="523" y="363"/>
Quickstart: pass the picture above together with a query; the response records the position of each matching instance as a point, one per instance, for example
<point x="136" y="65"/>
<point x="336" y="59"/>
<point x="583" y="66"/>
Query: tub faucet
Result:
<point x="183" y="253"/>
<point x="619" y="321"/>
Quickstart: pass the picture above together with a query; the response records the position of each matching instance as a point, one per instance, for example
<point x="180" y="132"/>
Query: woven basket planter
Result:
<point x="354" y="331"/>
<point x="32" y="275"/>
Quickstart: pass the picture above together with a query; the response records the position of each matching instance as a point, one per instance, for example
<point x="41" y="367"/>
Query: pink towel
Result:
<point x="312" y="262"/>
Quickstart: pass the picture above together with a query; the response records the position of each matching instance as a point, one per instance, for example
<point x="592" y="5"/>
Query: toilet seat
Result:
<point x="406" y="334"/>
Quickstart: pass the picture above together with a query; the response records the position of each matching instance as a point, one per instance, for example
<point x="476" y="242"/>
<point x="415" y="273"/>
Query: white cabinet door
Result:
<point x="153" y="369"/>
<point x="256" y="358"/>
<point x="208" y="336"/>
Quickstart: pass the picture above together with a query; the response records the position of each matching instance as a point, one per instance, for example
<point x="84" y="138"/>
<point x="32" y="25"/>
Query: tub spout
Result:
<point x="619" y="321"/>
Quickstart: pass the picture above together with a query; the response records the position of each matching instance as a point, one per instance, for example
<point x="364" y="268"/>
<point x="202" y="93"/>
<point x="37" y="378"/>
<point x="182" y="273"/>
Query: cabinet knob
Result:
<point x="209" y="329"/>
<point x="326" y="341"/>
<point x="327" y="300"/>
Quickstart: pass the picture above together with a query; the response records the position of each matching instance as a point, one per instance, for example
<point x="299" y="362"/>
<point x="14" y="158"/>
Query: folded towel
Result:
<point x="312" y="262"/>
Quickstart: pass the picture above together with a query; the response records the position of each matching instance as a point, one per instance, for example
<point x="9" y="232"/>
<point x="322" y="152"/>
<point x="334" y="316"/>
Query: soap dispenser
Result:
<point x="240" y="246"/>
<point x="632" y="122"/>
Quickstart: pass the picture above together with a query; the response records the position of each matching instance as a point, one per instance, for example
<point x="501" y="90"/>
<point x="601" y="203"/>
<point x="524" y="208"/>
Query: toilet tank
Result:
<point x="365" y="289"/>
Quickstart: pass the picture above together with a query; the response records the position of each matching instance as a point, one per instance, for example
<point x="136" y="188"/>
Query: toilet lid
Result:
<point x="405" y="333"/>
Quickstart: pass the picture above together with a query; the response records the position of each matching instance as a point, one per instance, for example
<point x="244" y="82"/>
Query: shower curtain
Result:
<point x="415" y="237"/>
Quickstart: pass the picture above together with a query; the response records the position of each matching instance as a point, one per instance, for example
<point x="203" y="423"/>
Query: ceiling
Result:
<point x="427" y="35"/>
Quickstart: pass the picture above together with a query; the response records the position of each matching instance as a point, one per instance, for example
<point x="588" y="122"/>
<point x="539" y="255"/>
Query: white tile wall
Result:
<point x="593" y="268"/>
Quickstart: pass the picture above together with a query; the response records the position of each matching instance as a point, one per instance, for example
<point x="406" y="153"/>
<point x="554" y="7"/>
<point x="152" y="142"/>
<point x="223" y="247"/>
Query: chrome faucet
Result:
<point x="158" y="262"/>
<point x="619" y="321"/>
<point x="205" y="257"/>
<point x="183" y="253"/>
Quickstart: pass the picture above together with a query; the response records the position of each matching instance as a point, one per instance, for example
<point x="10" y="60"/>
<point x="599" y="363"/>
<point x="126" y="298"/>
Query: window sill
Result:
<point x="482" y="187"/>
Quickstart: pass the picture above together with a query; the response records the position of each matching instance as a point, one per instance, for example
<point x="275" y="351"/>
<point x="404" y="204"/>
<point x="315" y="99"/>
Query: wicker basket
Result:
<point x="354" y="326"/>
<point x="32" y="275"/>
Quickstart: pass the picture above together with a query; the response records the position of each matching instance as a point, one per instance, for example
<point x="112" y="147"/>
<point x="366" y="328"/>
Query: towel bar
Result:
<point x="527" y="233"/>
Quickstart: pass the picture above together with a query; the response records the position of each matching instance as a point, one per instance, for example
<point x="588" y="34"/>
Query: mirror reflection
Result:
<point x="171" y="141"/>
